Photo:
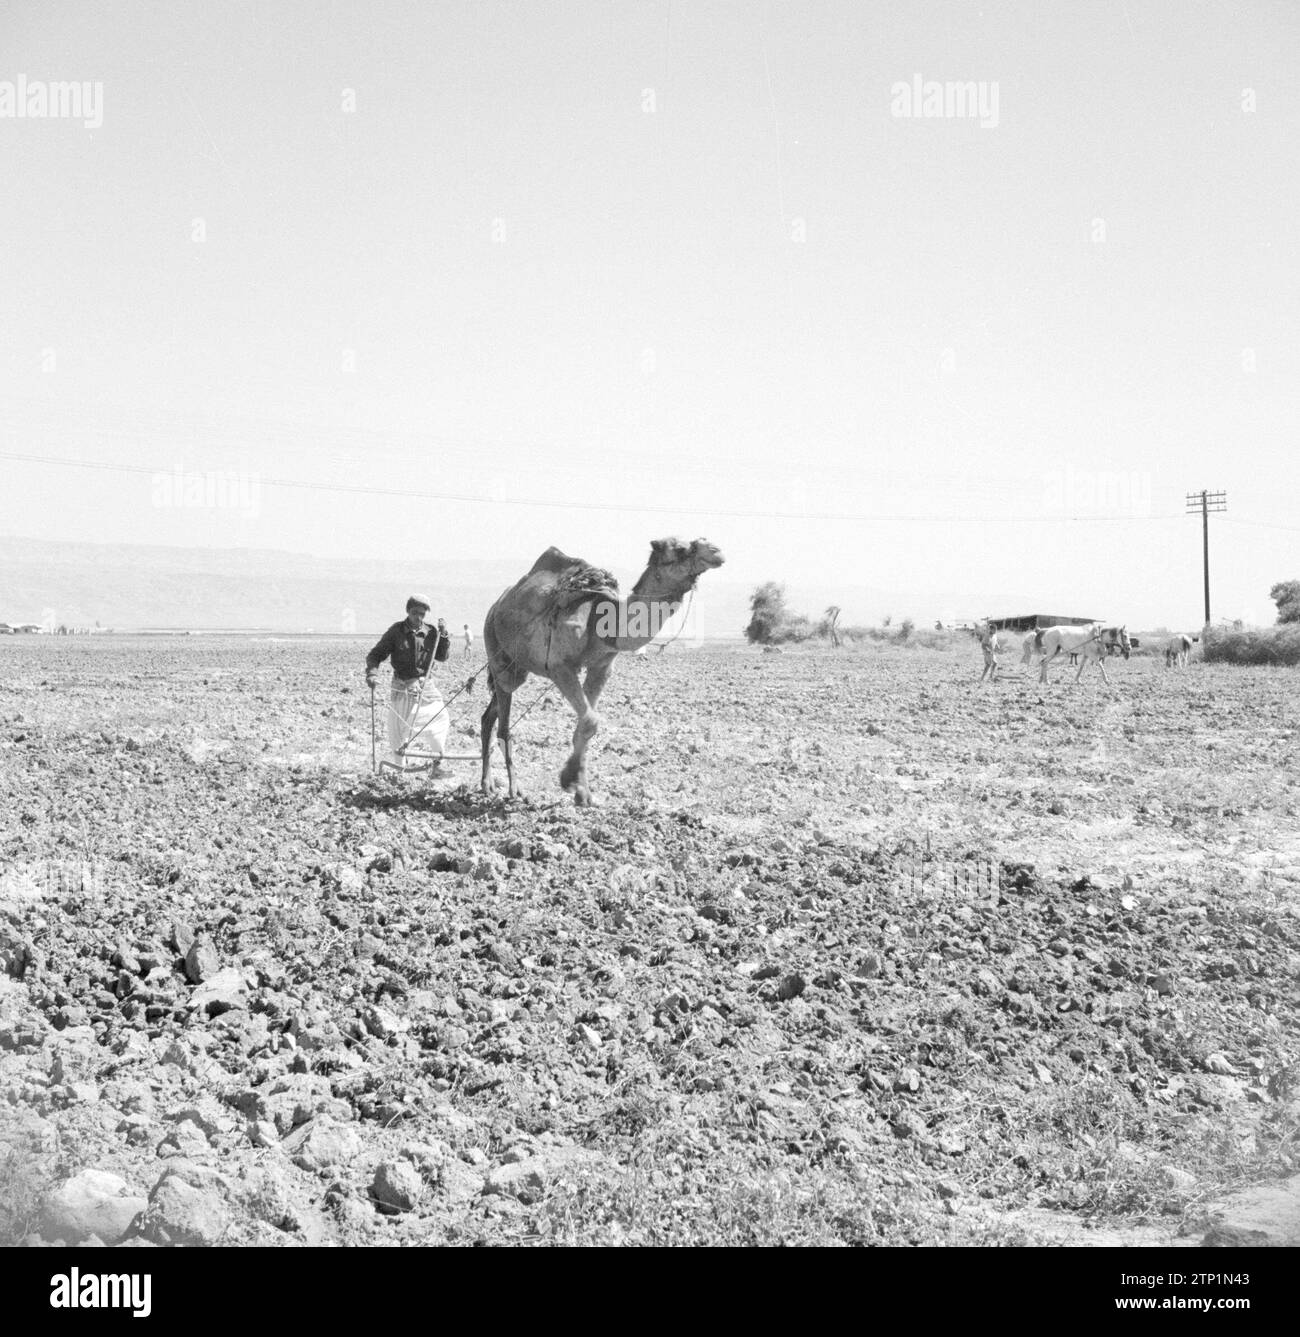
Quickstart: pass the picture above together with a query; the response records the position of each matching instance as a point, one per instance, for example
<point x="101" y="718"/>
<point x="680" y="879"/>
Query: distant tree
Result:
<point x="888" y="618"/>
<point x="832" y="617"/>
<point x="771" y="622"/>
<point x="767" y="611"/>
<point x="905" y="628"/>
<point x="1286" y="594"/>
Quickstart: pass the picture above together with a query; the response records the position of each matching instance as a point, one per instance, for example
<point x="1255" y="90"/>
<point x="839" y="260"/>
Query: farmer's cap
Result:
<point x="418" y="600"/>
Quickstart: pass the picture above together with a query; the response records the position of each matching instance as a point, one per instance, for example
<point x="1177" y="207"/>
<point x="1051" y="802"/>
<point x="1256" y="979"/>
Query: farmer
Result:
<point x="415" y="709"/>
<point x="469" y="641"/>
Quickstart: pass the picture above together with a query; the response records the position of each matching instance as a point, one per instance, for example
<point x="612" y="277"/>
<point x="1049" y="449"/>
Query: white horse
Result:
<point x="1178" y="651"/>
<point x="1093" y="642"/>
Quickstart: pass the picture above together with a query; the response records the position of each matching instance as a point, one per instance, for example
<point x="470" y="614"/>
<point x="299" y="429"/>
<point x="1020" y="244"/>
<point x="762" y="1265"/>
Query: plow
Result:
<point x="417" y="724"/>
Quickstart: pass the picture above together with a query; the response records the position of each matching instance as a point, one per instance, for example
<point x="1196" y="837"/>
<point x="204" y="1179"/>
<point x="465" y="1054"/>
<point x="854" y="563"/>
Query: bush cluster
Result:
<point x="1286" y="594"/>
<point x="771" y="622"/>
<point x="1270" y="645"/>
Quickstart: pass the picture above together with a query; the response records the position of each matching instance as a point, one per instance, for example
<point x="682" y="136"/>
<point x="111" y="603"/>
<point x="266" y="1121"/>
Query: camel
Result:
<point x="565" y="617"/>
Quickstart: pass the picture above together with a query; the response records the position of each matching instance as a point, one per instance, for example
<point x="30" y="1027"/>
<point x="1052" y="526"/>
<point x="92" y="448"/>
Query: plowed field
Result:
<point x="852" y="949"/>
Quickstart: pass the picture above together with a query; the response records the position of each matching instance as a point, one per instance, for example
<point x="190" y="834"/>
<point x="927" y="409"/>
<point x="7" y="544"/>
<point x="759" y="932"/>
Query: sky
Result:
<point x="466" y="280"/>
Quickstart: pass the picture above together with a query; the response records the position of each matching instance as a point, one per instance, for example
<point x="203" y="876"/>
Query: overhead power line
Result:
<point x="638" y="509"/>
<point x="356" y="447"/>
<point x="1261" y="524"/>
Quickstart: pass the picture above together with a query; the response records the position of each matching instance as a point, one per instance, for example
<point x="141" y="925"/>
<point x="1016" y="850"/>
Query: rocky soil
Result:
<point x="852" y="951"/>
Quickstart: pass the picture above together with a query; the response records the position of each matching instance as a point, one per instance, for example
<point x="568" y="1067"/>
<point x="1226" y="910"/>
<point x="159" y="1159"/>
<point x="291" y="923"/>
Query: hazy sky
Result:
<point x="659" y="265"/>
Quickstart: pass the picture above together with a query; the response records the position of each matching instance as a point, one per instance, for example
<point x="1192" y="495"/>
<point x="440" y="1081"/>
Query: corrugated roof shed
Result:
<point x="1031" y="621"/>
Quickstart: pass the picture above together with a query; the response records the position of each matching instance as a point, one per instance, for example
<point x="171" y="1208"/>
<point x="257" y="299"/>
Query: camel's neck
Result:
<point x="670" y="586"/>
<point x="655" y="598"/>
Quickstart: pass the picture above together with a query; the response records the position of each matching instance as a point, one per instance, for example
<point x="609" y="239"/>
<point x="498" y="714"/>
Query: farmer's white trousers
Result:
<point x="409" y="712"/>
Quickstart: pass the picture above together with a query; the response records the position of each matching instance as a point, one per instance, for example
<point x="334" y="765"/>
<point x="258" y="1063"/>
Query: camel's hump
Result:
<point x="555" y="562"/>
<point x="572" y="578"/>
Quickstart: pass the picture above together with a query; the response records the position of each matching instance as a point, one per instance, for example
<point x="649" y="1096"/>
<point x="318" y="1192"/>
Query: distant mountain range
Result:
<point x="128" y="587"/>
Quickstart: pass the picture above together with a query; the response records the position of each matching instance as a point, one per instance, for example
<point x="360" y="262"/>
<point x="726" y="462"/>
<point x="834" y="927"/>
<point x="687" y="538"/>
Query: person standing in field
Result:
<point x="415" y="709"/>
<point x="469" y="641"/>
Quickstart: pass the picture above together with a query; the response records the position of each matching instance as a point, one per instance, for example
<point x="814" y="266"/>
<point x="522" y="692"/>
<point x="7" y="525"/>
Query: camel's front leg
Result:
<point x="574" y="775"/>
<point x="594" y="683"/>
<point x="1102" y="666"/>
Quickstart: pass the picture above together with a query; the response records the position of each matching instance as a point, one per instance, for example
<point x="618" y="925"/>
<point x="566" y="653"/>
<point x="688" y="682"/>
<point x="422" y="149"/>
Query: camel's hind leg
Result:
<point x="485" y="735"/>
<point x="574" y="775"/>
<point x="505" y="701"/>
<point x="498" y="714"/>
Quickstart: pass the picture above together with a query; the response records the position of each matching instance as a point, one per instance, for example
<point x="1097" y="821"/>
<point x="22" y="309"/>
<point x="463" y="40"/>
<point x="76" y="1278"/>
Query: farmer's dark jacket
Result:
<point x="412" y="651"/>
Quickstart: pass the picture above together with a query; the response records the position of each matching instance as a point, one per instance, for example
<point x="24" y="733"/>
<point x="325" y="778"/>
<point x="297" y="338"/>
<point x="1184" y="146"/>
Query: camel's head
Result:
<point x="693" y="558"/>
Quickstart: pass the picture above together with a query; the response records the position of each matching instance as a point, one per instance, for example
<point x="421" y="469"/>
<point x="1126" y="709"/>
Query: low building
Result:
<point x="1032" y="621"/>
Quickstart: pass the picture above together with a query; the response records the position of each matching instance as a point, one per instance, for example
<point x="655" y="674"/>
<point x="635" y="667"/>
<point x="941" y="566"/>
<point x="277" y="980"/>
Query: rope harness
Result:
<point x="537" y="701"/>
<point x="690" y="600"/>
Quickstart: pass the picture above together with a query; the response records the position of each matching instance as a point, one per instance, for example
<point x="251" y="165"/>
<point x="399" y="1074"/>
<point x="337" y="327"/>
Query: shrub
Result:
<point x="796" y="627"/>
<point x="1286" y="594"/>
<point x="939" y="640"/>
<point x="1271" y="645"/>
<point x="905" y="629"/>
<point x="771" y="622"/>
<point x="766" y="609"/>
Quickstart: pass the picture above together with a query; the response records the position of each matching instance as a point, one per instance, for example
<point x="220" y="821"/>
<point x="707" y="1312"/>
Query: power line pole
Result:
<point x="1205" y="502"/>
